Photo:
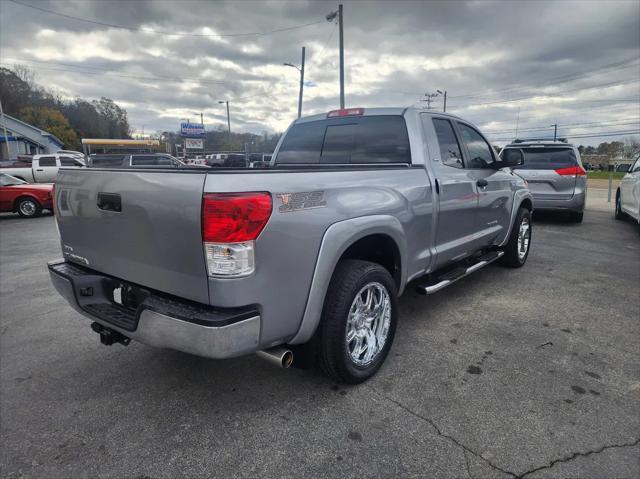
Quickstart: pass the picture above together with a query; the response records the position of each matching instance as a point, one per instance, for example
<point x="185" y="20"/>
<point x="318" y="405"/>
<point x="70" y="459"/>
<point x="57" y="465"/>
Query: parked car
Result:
<point x="43" y="168"/>
<point x="140" y="160"/>
<point x="556" y="177"/>
<point x="628" y="194"/>
<point x="26" y="199"/>
<point x="307" y="257"/>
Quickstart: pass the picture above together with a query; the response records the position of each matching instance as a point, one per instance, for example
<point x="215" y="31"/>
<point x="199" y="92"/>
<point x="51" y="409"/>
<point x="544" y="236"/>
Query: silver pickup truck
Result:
<point x="301" y="262"/>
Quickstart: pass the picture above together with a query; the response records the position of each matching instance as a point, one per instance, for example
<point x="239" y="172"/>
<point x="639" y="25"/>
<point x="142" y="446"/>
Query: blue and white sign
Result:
<point x="192" y="129"/>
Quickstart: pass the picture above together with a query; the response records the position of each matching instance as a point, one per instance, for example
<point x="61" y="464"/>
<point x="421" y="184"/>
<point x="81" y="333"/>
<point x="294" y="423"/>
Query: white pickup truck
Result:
<point x="43" y="168"/>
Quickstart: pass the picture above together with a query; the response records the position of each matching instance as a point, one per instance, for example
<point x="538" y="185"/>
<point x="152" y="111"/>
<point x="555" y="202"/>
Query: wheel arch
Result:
<point x="23" y="196"/>
<point x="367" y="238"/>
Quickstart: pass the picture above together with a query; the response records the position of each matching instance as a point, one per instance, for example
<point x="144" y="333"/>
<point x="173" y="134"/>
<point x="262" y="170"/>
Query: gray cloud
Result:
<point x="395" y="51"/>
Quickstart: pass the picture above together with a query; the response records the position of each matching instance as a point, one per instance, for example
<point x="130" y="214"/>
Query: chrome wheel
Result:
<point x="28" y="208"/>
<point x="524" y="237"/>
<point x="368" y="323"/>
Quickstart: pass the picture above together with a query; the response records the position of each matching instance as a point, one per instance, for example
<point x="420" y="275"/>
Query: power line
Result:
<point x="160" y="32"/>
<point x="593" y="135"/>
<point x="571" y="125"/>
<point x="560" y="79"/>
<point x="602" y="85"/>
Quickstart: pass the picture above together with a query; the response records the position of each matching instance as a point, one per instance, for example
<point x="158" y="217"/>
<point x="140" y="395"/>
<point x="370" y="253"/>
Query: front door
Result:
<point x="495" y="194"/>
<point x="630" y="189"/>
<point x="457" y="193"/>
<point x="45" y="169"/>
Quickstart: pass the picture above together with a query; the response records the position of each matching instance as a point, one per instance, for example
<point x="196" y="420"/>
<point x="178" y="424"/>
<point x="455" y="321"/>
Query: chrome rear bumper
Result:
<point x="158" y="320"/>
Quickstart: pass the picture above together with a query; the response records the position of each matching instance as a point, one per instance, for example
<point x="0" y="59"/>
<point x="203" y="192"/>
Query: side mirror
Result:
<point x="512" y="157"/>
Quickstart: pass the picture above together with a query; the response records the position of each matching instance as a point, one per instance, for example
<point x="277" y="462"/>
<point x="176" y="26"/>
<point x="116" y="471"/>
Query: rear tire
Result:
<point x="516" y="251"/>
<point x="576" y="217"/>
<point x="361" y="302"/>
<point x="29" y="208"/>
<point x="619" y="214"/>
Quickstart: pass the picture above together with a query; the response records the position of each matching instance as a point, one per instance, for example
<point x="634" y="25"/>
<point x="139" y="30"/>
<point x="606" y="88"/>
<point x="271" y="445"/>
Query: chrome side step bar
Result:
<point x="459" y="273"/>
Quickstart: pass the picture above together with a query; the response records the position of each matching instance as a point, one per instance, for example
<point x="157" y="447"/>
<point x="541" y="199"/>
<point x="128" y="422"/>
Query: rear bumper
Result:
<point x="157" y="319"/>
<point x="576" y="203"/>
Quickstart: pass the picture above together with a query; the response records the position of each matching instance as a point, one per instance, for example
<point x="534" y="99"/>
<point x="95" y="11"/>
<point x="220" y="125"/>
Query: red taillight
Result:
<point x="346" y="112"/>
<point x="234" y="217"/>
<point x="571" y="171"/>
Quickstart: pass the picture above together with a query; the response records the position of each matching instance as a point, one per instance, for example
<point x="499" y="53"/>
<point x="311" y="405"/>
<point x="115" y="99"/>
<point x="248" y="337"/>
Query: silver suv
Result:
<point x="557" y="180"/>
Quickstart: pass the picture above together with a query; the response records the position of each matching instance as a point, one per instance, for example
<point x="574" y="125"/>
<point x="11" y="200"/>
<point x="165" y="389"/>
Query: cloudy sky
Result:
<point x="502" y="63"/>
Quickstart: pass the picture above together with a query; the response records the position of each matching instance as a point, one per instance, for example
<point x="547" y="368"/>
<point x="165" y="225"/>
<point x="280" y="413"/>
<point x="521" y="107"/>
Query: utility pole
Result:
<point x="429" y="98"/>
<point x="340" y="14"/>
<point x="555" y="130"/>
<point x="6" y="136"/>
<point x="201" y="119"/>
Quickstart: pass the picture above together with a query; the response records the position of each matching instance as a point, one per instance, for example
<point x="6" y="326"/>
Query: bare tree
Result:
<point x="631" y="146"/>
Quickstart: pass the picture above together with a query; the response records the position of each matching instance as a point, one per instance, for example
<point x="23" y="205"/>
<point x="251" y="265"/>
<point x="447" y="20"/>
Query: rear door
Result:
<point x="141" y="226"/>
<point x="45" y="169"/>
<point x="550" y="171"/>
<point x="457" y="193"/>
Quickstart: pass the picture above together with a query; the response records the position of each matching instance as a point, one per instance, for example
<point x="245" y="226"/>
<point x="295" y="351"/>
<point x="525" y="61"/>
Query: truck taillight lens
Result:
<point x="571" y="171"/>
<point x="230" y="224"/>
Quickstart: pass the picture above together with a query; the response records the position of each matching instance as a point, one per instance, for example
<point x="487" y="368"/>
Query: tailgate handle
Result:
<point x="110" y="202"/>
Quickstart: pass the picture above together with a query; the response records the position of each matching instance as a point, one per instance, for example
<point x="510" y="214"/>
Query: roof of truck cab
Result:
<point x="376" y="111"/>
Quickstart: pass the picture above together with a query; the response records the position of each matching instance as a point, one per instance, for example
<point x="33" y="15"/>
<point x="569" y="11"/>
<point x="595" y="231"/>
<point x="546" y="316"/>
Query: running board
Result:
<point x="458" y="273"/>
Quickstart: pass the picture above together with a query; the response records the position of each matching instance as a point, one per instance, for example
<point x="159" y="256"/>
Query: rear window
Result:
<point x="547" y="158"/>
<point x="110" y="161"/>
<point x="373" y="139"/>
<point x="141" y="160"/>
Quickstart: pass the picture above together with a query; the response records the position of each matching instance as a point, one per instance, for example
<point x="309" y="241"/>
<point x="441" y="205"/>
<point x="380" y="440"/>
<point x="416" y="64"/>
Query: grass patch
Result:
<point x="604" y="175"/>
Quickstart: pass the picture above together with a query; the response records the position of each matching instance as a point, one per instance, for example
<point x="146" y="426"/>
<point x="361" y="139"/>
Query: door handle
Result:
<point x="39" y="169"/>
<point x="482" y="183"/>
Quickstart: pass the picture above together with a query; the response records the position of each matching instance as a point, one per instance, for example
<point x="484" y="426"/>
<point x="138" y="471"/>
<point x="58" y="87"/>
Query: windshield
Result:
<point x="547" y="158"/>
<point x="8" y="180"/>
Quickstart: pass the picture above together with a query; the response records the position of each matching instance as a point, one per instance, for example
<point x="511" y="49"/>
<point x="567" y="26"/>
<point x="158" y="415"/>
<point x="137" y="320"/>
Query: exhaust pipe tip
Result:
<point x="279" y="356"/>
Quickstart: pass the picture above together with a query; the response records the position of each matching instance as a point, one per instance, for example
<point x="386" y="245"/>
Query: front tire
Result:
<point x="358" y="321"/>
<point x="28" y="208"/>
<point x="619" y="214"/>
<point x="517" y="248"/>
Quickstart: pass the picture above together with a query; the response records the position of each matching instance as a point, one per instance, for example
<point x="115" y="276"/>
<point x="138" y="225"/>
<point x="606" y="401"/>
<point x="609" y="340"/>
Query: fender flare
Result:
<point x="518" y="198"/>
<point x="337" y="238"/>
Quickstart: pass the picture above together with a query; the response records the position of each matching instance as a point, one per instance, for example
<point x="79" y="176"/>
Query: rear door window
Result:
<point x="47" y="161"/>
<point x="449" y="148"/>
<point x="547" y="158"/>
<point x="362" y="140"/>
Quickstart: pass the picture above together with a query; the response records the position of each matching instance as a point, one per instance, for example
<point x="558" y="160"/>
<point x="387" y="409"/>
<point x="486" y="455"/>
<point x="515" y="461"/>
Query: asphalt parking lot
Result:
<point x="509" y="373"/>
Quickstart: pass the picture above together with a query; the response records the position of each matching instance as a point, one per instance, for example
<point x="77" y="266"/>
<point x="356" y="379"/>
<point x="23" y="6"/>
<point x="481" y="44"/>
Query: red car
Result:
<point x="25" y="198"/>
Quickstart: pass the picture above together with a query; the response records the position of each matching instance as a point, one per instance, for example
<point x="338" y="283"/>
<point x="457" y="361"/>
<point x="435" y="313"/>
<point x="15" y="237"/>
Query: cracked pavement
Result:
<point x="528" y="373"/>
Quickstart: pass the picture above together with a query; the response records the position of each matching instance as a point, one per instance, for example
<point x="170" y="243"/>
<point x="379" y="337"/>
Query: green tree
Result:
<point x="52" y="121"/>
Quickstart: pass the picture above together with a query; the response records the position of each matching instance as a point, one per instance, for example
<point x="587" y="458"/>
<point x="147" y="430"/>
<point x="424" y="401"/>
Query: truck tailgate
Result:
<point x="139" y="226"/>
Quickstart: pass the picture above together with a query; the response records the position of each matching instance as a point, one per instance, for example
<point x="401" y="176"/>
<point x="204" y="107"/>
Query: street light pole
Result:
<point x="301" y="70"/>
<point x="445" y="99"/>
<point x="301" y="84"/>
<point x="228" y="117"/>
<point x="340" y="26"/>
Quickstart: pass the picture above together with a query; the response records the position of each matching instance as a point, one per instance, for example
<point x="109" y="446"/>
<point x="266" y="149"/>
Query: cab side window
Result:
<point x="47" y="161"/>
<point x="480" y="152"/>
<point x="66" y="161"/>
<point x="449" y="146"/>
